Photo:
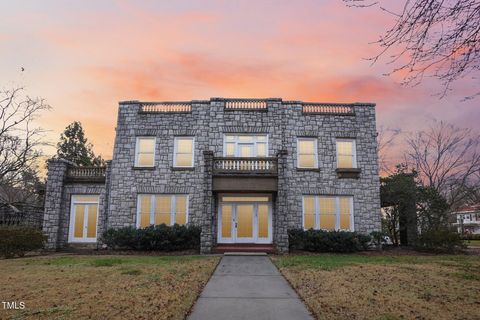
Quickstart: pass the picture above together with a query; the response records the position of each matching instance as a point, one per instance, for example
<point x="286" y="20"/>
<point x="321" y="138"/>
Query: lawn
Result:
<point x="108" y="287"/>
<point x="473" y="243"/>
<point x="386" y="287"/>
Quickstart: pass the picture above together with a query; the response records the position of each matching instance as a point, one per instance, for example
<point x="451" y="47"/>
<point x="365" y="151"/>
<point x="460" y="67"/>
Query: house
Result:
<point x="468" y="219"/>
<point x="245" y="170"/>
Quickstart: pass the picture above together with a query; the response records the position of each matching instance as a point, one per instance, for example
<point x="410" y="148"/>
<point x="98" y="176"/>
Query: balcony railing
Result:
<point x="252" y="166"/>
<point x="333" y="109"/>
<point x="166" y="107"/>
<point x="86" y="174"/>
<point x="245" y="104"/>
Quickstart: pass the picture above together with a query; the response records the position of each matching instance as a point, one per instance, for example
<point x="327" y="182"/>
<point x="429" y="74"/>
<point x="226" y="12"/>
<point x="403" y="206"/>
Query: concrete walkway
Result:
<point x="248" y="287"/>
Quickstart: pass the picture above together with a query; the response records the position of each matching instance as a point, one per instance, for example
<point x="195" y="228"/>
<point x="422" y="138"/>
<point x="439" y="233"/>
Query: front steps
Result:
<point x="244" y="247"/>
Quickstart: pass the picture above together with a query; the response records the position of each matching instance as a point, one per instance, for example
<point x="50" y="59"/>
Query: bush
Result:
<point x="327" y="241"/>
<point x="158" y="238"/>
<point x="439" y="240"/>
<point x="17" y="240"/>
<point x="470" y="236"/>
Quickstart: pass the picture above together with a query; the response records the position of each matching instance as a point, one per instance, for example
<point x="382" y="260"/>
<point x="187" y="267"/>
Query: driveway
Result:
<point x="248" y="287"/>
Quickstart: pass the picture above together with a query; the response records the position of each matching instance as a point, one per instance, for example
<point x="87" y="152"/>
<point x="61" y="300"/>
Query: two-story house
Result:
<point x="468" y="219"/>
<point x="245" y="170"/>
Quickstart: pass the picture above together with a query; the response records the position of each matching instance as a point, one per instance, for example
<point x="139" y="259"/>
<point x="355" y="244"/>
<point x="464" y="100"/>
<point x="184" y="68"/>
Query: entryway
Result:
<point x="245" y="219"/>
<point x="83" y="219"/>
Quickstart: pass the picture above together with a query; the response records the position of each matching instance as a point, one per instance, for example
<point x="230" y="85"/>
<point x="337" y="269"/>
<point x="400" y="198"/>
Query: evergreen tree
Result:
<point x="74" y="146"/>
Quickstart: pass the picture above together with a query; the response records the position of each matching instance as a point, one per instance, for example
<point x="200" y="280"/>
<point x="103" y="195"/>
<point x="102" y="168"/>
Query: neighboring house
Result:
<point x="245" y="170"/>
<point x="468" y="219"/>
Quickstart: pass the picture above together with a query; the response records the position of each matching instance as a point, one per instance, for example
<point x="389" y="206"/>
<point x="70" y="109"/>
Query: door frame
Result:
<point x="234" y="238"/>
<point x="71" y="229"/>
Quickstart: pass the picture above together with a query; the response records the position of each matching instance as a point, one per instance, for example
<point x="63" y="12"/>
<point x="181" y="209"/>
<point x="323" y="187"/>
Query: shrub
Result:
<point x="327" y="241"/>
<point x="154" y="238"/>
<point x="470" y="236"/>
<point x="17" y="240"/>
<point x="439" y="240"/>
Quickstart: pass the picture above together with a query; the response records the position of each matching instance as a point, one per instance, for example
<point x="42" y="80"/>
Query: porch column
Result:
<point x="206" y="238"/>
<point x="57" y="170"/>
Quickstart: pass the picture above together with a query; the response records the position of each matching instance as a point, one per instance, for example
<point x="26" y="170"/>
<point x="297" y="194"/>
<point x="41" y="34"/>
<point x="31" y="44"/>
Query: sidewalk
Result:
<point x="248" y="287"/>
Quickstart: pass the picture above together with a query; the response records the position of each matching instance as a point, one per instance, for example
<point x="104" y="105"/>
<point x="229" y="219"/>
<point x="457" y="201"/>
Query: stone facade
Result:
<point x="208" y="122"/>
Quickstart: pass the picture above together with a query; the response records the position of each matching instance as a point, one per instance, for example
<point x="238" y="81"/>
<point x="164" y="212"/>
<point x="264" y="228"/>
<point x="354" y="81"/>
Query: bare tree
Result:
<point x="447" y="158"/>
<point x="20" y="138"/>
<point x="434" y="38"/>
<point x="385" y="140"/>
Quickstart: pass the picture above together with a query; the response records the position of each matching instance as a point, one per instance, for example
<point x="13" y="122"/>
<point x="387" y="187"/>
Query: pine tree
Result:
<point x="74" y="146"/>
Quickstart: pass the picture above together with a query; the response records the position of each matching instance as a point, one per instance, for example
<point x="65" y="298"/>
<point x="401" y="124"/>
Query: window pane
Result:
<point x="245" y="220"/>
<point x="345" y="147"/>
<point x="262" y="221"/>
<point x="226" y="221"/>
<point x="163" y="209"/>
<point x="79" y="220"/>
<point x="327" y="213"/>
<point x="306" y="161"/>
<point x="306" y="146"/>
<point x="145" y="201"/>
<point x="245" y="138"/>
<point x="246" y="150"/>
<point x="181" y="210"/>
<point x="344" y="161"/>
<point x="309" y="212"/>
<point x="230" y="152"/>
<point x="261" y="138"/>
<point x="92" y="221"/>
<point x="85" y="198"/>
<point x="245" y="199"/>
<point x="145" y="160"/>
<point x="183" y="160"/>
<point x="345" y="213"/>
<point x="146" y="145"/>
<point x="261" y="150"/>
<point x="184" y="145"/>
<point x="230" y="138"/>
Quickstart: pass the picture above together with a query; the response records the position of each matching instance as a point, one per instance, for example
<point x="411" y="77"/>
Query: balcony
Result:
<point x="245" y="174"/>
<point x="86" y="174"/>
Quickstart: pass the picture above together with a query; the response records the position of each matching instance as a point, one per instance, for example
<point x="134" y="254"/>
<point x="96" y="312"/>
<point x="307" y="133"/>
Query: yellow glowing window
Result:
<point x="328" y="212"/>
<point x="79" y="220"/>
<point x="262" y="220"/>
<point x="308" y="212"/>
<point x="184" y="152"/>
<point x="84" y="219"/>
<point x="145" y="152"/>
<point x="346" y="154"/>
<point x="145" y="209"/>
<point x="162" y="209"/>
<point x="245" y="145"/>
<point x="245" y="220"/>
<point x="226" y="220"/>
<point x="245" y="199"/>
<point x="307" y="153"/>
<point x="181" y="204"/>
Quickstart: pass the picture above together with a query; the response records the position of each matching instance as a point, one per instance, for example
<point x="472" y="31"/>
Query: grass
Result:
<point x="107" y="287"/>
<point x="473" y="243"/>
<point x="386" y="287"/>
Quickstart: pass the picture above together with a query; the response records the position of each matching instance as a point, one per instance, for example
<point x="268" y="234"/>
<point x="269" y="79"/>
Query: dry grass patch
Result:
<point x="377" y="287"/>
<point x="117" y="287"/>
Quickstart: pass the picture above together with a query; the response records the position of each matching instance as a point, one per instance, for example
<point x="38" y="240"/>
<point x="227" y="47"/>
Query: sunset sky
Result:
<point x="85" y="56"/>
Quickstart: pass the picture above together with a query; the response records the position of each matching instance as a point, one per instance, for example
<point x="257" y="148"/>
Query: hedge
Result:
<point x="327" y="241"/>
<point x="439" y="240"/>
<point x="158" y="238"/>
<point x="18" y="240"/>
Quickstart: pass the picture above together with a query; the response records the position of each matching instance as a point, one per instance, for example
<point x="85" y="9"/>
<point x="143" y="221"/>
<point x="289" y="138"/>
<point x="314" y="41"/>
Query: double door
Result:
<point x="245" y="222"/>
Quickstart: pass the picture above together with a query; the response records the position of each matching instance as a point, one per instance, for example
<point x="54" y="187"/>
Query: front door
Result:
<point x="83" y="218"/>
<point x="244" y="222"/>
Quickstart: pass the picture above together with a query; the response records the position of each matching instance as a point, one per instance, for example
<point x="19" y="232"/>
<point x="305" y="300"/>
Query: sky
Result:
<point x="83" y="57"/>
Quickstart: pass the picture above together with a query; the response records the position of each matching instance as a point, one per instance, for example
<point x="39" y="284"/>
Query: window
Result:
<point x="245" y="145"/>
<point x="161" y="208"/>
<point x="328" y="213"/>
<point x="346" y="153"/>
<point x="183" y="153"/>
<point x="145" y="152"/>
<point x="307" y="153"/>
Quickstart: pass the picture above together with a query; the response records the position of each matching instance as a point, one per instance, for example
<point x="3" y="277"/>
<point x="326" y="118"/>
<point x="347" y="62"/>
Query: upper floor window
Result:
<point x="154" y="209"/>
<point x="328" y="213"/>
<point x="183" y="153"/>
<point x="307" y="156"/>
<point x="145" y="152"/>
<point x="346" y="153"/>
<point x="245" y="145"/>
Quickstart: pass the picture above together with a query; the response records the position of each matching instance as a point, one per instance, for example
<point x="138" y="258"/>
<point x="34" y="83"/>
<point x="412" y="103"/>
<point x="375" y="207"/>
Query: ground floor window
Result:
<point x="328" y="212"/>
<point x="83" y="218"/>
<point x="153" y="209"/>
